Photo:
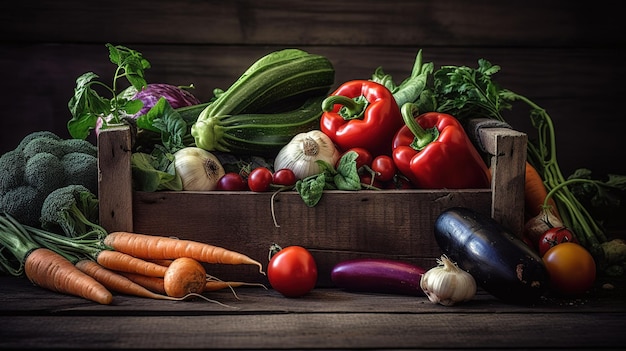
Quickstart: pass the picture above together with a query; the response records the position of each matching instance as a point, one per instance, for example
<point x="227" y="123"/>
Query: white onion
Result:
<point x="198" y="169"/>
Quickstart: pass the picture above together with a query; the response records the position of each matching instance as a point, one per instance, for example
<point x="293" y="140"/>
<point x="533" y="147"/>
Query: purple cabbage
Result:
<point x="151" y="93"/>
<point x="177" y="97"/>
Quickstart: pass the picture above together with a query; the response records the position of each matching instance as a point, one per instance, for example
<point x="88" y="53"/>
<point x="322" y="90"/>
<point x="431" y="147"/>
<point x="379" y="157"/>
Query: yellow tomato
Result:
<point x="572" y="268"/>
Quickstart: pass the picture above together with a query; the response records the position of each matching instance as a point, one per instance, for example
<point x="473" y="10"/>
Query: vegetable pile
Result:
<point x="279" y="127"/>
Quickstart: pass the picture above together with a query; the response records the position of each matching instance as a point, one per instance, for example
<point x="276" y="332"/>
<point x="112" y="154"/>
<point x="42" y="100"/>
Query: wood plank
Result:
<point x="343" y="225"/>
<point x="392" y="23"/>
<point x="326" y="318"/>
<point x="115" y="178"/>
<point x="508" y="162"/>
<point x="317" y="331"/>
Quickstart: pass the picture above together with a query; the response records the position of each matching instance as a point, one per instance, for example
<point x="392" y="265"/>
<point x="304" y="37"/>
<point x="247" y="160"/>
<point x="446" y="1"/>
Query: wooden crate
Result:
<point x="394" y="224"/>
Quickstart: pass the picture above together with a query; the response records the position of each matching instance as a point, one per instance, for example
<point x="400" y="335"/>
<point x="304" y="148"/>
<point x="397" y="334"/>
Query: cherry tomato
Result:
<point x="571" y="267"/>
<point x="231" y="181"/>
<point x="555" y="236"/>
<point x="384" y="167"/>
<point x="364" y="157"/>
<point x="292" y="270"/>
<point x="284" y="176"/>
<point x="260" y="179"/>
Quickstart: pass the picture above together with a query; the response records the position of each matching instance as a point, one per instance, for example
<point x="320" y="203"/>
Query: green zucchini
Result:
<point x="280" y="82"/>
<point x="257" y="133"/>
<point x="278" y="76"/>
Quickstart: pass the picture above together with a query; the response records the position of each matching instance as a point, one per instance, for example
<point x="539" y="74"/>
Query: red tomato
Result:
<point x="292" y="271"/>
<point x="284" y="176"/>
<point x="555" y="236"/>
<point x="260" y="179"/>
<point x="231" y="181"/>
<point x="572" y="268"/>
<point x="384" y="167"/>
<point x="364" y="157"/>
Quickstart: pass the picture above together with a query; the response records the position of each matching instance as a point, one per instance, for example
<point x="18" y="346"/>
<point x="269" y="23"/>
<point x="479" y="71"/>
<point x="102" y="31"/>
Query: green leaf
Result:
<point x="347" y="177"/>
<point x="166" y="120"/>
<point x="311" y="188"/>
<point x="152" y="173"/>
<point x="86" y="105"/>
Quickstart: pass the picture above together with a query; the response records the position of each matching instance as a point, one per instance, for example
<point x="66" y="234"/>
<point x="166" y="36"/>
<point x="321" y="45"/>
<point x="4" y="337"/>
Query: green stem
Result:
<point x="351" y="108"/>
<point x="422" y="137"/>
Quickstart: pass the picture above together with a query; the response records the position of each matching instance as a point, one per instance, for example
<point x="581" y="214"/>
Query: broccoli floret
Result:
<point x="81" y="169"/>
<point x="23" y="203"/>
<point x="35" y="135"/>
<point x="11" y="170"/>
<point x="43" y="144"/>
<point x="45" y="172"/>
<point x="41" y="163"/>
<point x="79" y="145"/>
<point x="73" y="209"/>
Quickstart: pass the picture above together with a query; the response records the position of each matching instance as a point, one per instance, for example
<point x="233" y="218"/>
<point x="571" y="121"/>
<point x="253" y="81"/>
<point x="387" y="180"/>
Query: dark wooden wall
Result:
<point x="567" y="57"/>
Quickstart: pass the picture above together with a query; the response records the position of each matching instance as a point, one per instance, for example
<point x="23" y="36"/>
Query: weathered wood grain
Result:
<point x="34" y="318"/>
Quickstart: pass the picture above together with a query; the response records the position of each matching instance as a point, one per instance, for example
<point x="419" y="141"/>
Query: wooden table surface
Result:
<point x="34" y="318"/>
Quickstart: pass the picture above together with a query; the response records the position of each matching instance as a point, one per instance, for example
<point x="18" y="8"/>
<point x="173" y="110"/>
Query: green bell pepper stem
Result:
<point x="351" y="108"/>
<point x="423" y="137"/>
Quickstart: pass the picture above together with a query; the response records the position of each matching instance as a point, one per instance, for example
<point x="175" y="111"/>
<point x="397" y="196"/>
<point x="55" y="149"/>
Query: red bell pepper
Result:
<point x="434" y="152"/>
<point x="361" y="113"/>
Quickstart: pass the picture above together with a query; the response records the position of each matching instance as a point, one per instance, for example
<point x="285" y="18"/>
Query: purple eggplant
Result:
<point x="377" y="275"/>
<point x="502" y="264"/>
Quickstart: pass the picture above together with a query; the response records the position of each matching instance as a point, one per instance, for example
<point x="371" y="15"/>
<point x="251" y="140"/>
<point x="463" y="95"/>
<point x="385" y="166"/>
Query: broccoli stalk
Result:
<point x="73" y="209"/>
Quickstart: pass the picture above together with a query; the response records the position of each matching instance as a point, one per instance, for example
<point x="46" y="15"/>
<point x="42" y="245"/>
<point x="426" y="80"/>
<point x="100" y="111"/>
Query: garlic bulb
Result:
<point x="303" y="150"/>
<point x="447" y="284"/>
<point x="198" y="169"/>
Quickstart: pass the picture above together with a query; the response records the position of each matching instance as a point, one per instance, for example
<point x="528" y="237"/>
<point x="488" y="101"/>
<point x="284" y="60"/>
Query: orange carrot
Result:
<point x="165" y="263"/>
<point x="184" y="276"/>
<point x="215" y="285"/>
<point x="52" y="271"/>
<point x="116" y="282"/>
<point x="154" y="284"/>
<point x="121" y="284"/>
<point x="535" y="193"/>
<point x="119" y="261"/>
<point x="159" y="247"/>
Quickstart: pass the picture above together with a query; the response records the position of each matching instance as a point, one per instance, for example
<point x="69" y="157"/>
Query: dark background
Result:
<point x="568" y="58"/>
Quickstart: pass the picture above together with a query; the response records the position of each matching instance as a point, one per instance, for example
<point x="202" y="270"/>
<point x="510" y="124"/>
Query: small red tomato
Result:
<point x="384" y="167"/>
<point x="260" y="179"/>
<point x="554" y="236"/>
<point x="292" y="270"/>
<point x="571" y="267"/>
<point x="231" y="181"/>
<point x="285" y="177"/>
<point x="364" y="157"/>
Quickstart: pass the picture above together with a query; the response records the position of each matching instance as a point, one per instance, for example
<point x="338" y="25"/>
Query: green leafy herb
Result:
<point x="345" y="177"/>
<point x="87" y="105"/>
<point x="152" y="173"/>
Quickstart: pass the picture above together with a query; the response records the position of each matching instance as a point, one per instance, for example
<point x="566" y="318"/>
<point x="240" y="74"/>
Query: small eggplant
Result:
<point x="377" y="275"/>
<point x="502" y="264"/>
